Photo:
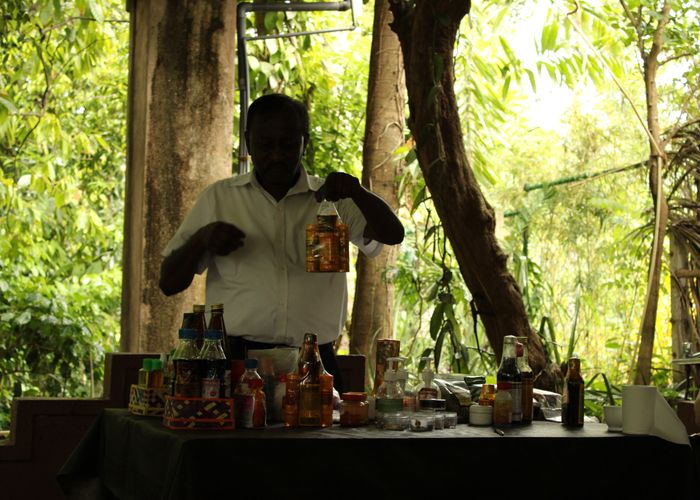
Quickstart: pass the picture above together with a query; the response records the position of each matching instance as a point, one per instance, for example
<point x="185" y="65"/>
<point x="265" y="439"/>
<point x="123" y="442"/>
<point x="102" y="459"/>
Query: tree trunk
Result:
<point x="372" y="311"/>
<point x="427" y="30"/>
<point x="680" y="317"/>
<point x="656" y="164"/>
<point x="179" y="140"/>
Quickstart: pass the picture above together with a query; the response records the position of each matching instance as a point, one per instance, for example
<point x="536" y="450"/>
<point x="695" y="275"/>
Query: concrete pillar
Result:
<point x="179" y="140"/>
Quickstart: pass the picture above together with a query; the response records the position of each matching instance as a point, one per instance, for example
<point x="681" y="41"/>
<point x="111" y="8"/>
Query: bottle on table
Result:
<point x="326" y="386"/>
<point x="572" y="399"/>
<point x="310" y="369"/>
<point x="216" y="322"/>
<point x="427" y="388"/>
<point x="249" y="398"/>
<point x="527" y="378"/>
<point x="213" y="363"/>
<point x="291" y="400"/>
<point x="186" y="365"/>
<point x="508" y="377"/>
<point x="199" y="322"/>
<point x="503" y="405"/>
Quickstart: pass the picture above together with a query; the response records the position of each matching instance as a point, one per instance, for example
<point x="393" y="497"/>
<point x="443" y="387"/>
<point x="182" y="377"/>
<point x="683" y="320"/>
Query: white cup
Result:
<point x="638" y="402"/>
<point x="613" y="417"/>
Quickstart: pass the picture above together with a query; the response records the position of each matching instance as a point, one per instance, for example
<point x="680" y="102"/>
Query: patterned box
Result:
<point x="147" y="401"/>
<point x="198" y="413"/>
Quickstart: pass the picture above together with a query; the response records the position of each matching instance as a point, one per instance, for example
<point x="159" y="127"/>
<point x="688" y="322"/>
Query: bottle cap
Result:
<point x="146" y="364"/>
<point x="198" y="308"/>
<point x="187" y="333"/>
<point x="437" y="404"/>
<point x="251" y="363"/>
<point x="354" y="396"/>
<point x="212" y="335"/>
<point x="217" y="307"/>
<point x="156" y="364"/>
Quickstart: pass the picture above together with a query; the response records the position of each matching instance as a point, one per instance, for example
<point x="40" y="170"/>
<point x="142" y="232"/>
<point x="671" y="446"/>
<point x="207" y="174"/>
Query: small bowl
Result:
<point x="612" y="415"/>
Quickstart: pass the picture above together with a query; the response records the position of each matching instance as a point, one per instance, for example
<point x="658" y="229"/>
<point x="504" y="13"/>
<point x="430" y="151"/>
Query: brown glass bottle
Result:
<point x="572" y="399"/>
<point x="310" y="369"/>
<point x="508" y="376"/>
<point x="527" y="377"/>
<point x="199" y="323"/>
<point x="291" y="400"/>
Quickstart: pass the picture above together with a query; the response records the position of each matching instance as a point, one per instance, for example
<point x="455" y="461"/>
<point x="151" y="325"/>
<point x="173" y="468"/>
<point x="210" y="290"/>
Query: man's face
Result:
<point x="276" y="145"/>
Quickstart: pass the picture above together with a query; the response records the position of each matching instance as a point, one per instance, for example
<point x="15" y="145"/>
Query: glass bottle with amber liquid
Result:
<point x="216" y="323"/>
<point x="509" y="378"/>
<point x="310" y="369"/>
<point x="326" y="218"/>
<point x="527" y="377"/>
<point x="572" y="399"/>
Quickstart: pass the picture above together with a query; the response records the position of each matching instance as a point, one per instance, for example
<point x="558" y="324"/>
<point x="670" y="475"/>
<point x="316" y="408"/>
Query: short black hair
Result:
<point x="276" y="104"/>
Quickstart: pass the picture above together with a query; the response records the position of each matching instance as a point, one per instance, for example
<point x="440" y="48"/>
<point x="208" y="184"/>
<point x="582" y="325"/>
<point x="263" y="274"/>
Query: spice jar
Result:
<point x="354" y="409"/>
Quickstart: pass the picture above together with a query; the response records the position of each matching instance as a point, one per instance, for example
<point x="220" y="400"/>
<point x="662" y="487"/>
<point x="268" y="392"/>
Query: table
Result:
<point x="134" y="457"/>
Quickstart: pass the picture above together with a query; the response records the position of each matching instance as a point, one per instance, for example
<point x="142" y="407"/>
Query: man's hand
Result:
<point x="221" y="238"/>
<point x="338" y="185"/>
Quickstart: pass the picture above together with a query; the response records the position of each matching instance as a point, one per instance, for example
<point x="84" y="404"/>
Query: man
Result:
<point x="248" y="232"/>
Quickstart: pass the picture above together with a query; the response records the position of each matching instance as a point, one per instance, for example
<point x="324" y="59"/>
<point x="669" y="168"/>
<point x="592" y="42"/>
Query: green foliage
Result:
<point x="62" y="150"/>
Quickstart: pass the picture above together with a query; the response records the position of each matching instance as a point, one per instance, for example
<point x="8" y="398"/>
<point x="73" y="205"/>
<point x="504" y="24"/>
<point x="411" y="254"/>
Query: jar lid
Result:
<point x="480" y="409"/>
<point x="354" y="396"/>
<point x="437" y="404"/>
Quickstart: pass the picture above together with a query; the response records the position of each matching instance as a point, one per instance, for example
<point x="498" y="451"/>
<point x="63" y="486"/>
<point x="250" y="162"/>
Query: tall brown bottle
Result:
<point x="216" y="322"/>
<point x="572" y="399"/>
<point x="199" y="322"/>
<point x="310" y="369"/>
<point x="526" y="375"/>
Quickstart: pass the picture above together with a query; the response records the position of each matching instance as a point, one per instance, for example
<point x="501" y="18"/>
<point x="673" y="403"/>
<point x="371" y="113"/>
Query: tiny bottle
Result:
<point x="427" y="389"/>
<point x="508" y="375"/>
<point x="186" y="364"/>
<point x="527" y="378"/>
<point x="246" y="395"/>
<point x="213" y="362"/>
<point x="572" y="399"/>
<point x="143" y="372"/>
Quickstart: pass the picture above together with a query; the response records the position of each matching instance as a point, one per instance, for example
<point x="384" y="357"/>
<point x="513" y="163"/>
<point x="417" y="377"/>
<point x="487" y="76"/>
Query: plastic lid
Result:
<point x="198" y="308"/>
<point x="156" y="364"/>
<point x="354" y="396"/>
<point x="212" y="335"/>
<point x="187" y="333"/>
<point x="480" y="409"/>
<point x="251" y="363"/>
<point x="146" y="364"/>
<point x="217" y="307"/>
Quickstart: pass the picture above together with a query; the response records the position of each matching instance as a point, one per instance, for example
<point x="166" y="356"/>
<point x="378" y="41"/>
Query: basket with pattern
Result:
<point x="199" y="413"/>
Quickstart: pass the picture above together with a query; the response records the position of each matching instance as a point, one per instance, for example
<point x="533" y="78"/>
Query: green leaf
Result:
<point x="436" y="320"/>
<point x="96" y="10"/>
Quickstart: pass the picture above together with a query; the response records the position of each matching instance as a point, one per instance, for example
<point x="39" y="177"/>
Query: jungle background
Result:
<point x="546" y="99"/>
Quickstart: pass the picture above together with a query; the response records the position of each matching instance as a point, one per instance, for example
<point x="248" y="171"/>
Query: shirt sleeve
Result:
<point x="199" y="216"/>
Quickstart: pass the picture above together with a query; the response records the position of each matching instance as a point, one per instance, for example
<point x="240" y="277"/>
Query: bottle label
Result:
<point x="502" y="411"/>
<point x="211" y="388"/>
<point x="243" y="405"/>
<point x="516" y="392"/>
<point x="187" y="378"/>
<point x="527" y="399"/>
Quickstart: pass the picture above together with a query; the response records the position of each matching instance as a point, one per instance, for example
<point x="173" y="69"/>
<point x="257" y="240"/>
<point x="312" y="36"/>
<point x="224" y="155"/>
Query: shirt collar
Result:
<point x="304" y="183"/>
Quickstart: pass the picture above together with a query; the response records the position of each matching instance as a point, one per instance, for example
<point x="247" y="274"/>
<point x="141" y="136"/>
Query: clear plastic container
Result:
<point x="450" y="420"/>
<point x="422" y="421"/>
<point x="396" y="421"/>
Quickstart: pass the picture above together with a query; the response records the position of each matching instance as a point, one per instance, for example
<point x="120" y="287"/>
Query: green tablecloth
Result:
<point x="131" y="457"/>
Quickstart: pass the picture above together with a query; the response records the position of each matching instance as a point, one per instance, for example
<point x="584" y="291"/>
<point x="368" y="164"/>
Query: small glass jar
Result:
<point x="395" y="422"/>
<point x="450" y="420"/>
<point x="437" y="408"/>
<point x="354" y="409"/>
<point x="422" y="420"/>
